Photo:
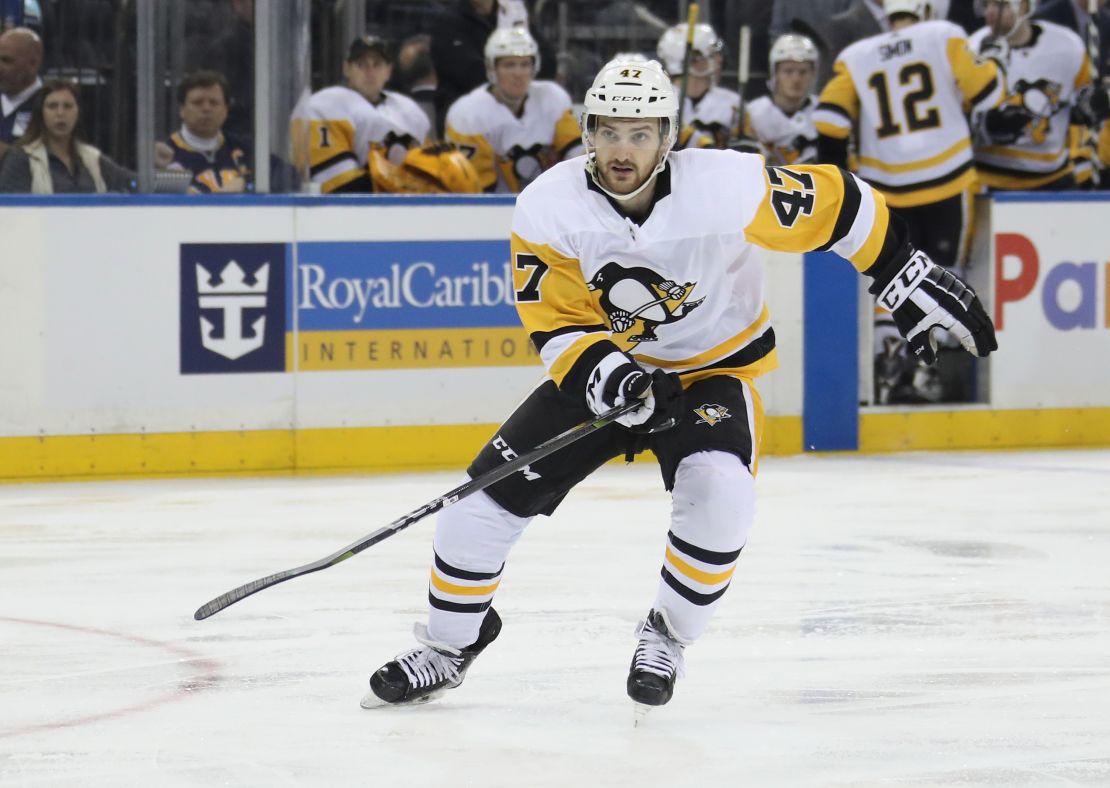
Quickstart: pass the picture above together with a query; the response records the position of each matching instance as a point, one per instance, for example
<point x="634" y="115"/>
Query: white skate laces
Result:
<point x="658" y="651"/>
<point x="432" y="664"/>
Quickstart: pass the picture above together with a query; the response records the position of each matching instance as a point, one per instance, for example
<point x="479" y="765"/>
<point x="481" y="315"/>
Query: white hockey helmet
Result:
<point x="791" y="48"/>
<point x="672" y="47"/>
<point x="510" y="42"/>
<point x="630" y="89"/>
<point x="922" y="9"/>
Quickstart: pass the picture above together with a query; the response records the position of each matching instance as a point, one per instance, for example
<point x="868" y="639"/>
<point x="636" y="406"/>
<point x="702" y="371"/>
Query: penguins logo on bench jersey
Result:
<point x="631" y="294"/>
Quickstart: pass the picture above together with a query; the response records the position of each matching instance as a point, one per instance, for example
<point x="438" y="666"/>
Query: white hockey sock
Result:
<point x="712" y="511"/>
<point x="473" y="539"/>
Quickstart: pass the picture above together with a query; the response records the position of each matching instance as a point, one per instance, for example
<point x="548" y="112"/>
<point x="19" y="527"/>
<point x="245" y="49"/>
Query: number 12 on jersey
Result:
<point x="918" y="76"/>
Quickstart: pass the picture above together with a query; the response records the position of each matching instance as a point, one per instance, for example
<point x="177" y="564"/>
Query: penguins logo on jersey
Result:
<point x="1040" y="100"/>
<point x="526" y="163"/>
<point x="631" y="294"/>
<point x="712" y="414"/>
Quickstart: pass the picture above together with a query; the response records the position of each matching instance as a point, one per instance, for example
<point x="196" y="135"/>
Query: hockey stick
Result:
<point x="469" y="488"/>
<point x="743" y="71"/>
<point x="691" y="22"/>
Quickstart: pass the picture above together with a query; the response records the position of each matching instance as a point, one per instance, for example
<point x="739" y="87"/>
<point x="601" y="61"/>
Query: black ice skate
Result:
<point x="424" y="673"/>
<point x="658" y="661"/>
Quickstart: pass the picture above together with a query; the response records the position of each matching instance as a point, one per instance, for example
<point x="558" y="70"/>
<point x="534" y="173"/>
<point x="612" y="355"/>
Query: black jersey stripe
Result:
<point x="849" y="210"/>
<point x="458" y="607"/>
<point x="982" y="94"/>
<point x="463" y="574"/>
<point x="316" y="169"/>
<point x="689" y="594"/>
<point x="922" y="185"/>
<point x="703" y="555"/>
<point x="839" y="110"/>
<point x="749" y="354"/>
<point x="541" y="338"/>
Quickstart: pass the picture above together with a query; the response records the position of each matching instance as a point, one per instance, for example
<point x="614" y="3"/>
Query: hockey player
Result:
<point x="780" y="125"/>
<point x="1047" y="67"/>
<point x="637" y="276"/>
<point x="341" y="125"/>
<point x="710" y="111"/>
<point x="515" y="126"/>
<point x="908" y="95"/>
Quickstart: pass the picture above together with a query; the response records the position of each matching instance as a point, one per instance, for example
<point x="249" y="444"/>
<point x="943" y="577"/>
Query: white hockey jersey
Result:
<point x="907" y="95"/>
<point x="1044" y="77"/>
<point x="683" y="289"/>
<point x="338" y="126"/>
<point x="782" y="138"/>
<point x="708" y="122"/>
<point x="509" y="151"/>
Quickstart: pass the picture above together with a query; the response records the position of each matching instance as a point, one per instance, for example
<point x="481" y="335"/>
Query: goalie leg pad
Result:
<point x="713" y="511"/>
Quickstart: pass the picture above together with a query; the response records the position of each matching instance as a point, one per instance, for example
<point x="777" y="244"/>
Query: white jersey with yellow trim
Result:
<point x="907" y="95"/>
<point x="784" y="139"/>
<point x="342" y="126"/>
<point x="509" y="151"/>
<point x="1044" y="77"/>
<point x="708" y="122"/>
<point x="683" y="289"/>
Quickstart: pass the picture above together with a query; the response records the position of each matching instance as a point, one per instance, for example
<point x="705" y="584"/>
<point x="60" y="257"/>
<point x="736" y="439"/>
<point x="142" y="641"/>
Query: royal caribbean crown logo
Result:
<point x="232" y="308"/>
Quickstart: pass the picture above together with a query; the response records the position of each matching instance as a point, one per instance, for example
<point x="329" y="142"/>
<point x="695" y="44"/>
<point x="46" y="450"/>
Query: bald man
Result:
<point x="20" y="59"/>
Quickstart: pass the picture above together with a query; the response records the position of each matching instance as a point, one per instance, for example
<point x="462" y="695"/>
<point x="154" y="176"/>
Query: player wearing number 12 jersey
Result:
<point x="909" y="94"/>
<point x="639" y="279"/>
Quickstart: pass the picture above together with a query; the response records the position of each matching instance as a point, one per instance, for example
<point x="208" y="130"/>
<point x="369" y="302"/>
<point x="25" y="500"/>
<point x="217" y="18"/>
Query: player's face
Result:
<point x="514" y="76"/>
<point x="627" y="151"/>
<point x="999" y="16"/>
<point x="793" y="79"/>
<point x="368" y="75"/>
<point x="204" y="111"/>
<point x="59" y="114"/>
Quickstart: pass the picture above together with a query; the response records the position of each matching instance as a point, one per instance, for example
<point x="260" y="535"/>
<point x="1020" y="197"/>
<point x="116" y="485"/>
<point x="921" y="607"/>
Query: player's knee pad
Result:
<point x="476" y="533"/>
<point x="713" y="501"/>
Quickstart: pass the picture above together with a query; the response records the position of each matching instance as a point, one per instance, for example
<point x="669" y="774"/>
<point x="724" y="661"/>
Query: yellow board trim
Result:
<point x="457" y="590"/>
<point x="698" y="575"/>
<point x="336" y="450"/>
<point x="436" y="447"/>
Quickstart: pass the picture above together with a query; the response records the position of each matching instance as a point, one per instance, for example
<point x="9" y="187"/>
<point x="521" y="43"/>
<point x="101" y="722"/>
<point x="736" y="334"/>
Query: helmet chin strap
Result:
<point x="591" y="167"/>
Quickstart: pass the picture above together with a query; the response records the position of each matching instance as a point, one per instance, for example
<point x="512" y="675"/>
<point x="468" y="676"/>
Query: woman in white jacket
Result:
<point x="50" y="157"/>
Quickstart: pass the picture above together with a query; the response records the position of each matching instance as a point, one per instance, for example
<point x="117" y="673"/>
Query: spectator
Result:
<point x="458" y="41"/>
<point x="514" y="127"/>
<point x="219" y="162"/>
<point x="708" y="111"/>
<point x="231" y="52"/>
<point x="52" y="158"/>
<point x="416" y="76"/>
<point x="1047" y="68"/>
<point x="20" y="60"/>
<point x="780" y="126"/>
<point x="341" y="127"/>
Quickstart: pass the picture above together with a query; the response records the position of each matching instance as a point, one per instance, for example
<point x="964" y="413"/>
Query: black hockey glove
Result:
<point x="618" y="379"/>
<point x="1092" y="106"/>
<point x="1004" y="125"/>
<point x="921" y="296"/>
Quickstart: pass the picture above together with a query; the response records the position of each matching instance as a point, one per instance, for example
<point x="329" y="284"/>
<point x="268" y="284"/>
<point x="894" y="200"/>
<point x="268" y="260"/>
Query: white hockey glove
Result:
<point x="618" y="379"/>
<point x="921" y="296"/>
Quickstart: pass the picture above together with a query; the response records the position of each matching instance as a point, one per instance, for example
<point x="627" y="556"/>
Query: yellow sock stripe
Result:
<point x="451" y="588"/>
<point x="692" y="572"/>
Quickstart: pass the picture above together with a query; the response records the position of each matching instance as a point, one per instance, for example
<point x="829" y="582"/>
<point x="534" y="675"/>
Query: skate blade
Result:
<point x="639" y="713"/>
<point x="372" y="701"/>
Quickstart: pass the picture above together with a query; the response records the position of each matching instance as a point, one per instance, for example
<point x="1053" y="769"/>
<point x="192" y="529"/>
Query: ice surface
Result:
<point x="920" y="619"/>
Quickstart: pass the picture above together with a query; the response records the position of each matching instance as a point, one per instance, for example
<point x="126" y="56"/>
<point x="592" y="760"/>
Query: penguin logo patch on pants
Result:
<point x="711" y="414"/>
<point x="640" y="294"/>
